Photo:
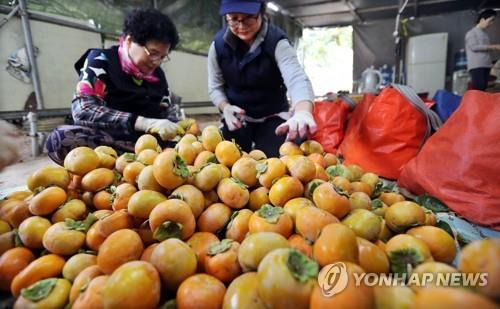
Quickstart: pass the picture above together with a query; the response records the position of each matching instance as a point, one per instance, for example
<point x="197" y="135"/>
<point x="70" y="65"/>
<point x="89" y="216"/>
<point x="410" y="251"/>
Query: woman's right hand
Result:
<point x="9" y="139"/>
<point x="165" y="128"/>
<point x="232" y="115"/>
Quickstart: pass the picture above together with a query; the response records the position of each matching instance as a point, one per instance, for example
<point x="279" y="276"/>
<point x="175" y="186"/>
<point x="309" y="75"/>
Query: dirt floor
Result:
<point x="16" y="174"/>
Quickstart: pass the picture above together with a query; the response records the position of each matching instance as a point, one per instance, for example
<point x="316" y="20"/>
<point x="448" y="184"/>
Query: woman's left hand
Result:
<point x="11" y="144"/>
<point x="300" y="124"/>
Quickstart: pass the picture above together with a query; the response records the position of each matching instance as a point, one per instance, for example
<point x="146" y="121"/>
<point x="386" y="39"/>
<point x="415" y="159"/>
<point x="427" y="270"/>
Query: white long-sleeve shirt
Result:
<point x="476" y="48"/>
<point x="296" y="81"/>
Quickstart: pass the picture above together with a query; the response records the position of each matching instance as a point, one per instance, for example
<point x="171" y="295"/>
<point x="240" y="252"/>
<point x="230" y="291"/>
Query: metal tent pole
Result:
<point x="32" y="116"/>
<point x="31" y="54"/>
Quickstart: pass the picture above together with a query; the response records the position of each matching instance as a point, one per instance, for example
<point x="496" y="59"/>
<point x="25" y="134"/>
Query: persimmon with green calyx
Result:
<point x="340" y="170"/>
<point x="82" y="281"/>
<point x="31" y="231"/>
<point x="372" y="258"/>
<point x="170" y="170"/>
<point x="394" y="297"/>
<point x="47" y="201"/>
<point x="200" y="289"/>
<point x="175" y="261"/>
<point x="227" y="153"/>
<point x="146" y="141"/>
<point x="91" y="297"/>
<point x="124" y="160"/>
<point x="207" y="177"/>
<point x="119" y="248"/>
<point x="242" y="293"/>
<point x="121" y="195"/>
<point x="256" y="246"/>
<point x="200" y="242"/>
<point x="135" y="284"/>
<point x="81" y="160"/>
<point x="77" y="263"/>
<point x="46" y="266"/>
<point x="353" y="295"/>
<point x="12" y="262"/>
<point x="147" y="181"/>
<point x="64" y="238"/>
<point x="286" y="279"/>
<point x="311" y="186"/>
<point x="214" y="219"/>
<point x="271" y="219"/>
<point x="233" y="193"/>
<point x="443" y="297"/>
<point x="46" y="293"/>
<point x="49" y="176"/>
<point x="309" y="221"/>
<point x="98" y="179"/>
<point x="364" y="223"/>
<point x="434" y="268"/>
<point x="360" y="200"/>
<point x="293" y="206"/>
<point x="245" y="170"/>
<point x="441" y="244"/>
<point x="401" y="216"/>
<point x="192" y="196"/>
<point x="187" y="152"/>
<point x="222" y="260"/>
<point x="211" y="137"/>
<point x="330" y="198"/>
<point x="270" y="170"/>
<point x="311" y="146"/>
<point x="290" y="149"/>
<point x="147" y="156"/>
<point x="107" y="156"/>
<point x="237" y="228"/>
<point x="285" y="189"/>
<point x="405" y="252"/>
<point x="73" y="209"/>
<point x="204" y="158"/>
<point x="336" y="243"/>
<point x="378" y="207"/>
<point x="258" y="198"/>
<point x="172" y="218"/>
<point x="142" y="202"/>
<point x="483" y="256"/>
<point x="301" y="168"/>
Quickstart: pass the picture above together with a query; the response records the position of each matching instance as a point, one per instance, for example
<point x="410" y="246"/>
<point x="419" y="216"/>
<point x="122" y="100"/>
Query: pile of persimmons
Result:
<point x="206" y="225"/>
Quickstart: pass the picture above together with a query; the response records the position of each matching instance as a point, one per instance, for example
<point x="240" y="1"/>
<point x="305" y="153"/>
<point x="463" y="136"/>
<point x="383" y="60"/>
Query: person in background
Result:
<point x="251" y="65"/>
<point x="10" y="144"/>
<point x="478" y="50"/>
<point x="122" y="92"/>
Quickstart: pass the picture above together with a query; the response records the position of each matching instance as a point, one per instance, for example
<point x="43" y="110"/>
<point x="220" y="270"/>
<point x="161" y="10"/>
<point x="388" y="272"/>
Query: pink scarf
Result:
<point x="129" y="67"/>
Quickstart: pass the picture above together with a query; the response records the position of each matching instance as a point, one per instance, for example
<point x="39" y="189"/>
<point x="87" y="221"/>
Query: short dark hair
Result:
<point x="149" y="24"/>
<point x="486" y="14"/>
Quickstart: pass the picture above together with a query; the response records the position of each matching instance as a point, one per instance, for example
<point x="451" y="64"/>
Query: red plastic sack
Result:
<point x="460" y="164"/>
<point x="387" y="131"/>
<point x="330" y="117"/>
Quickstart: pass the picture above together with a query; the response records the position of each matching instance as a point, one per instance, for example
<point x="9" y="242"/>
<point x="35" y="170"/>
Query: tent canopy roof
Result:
<point x="321" y="13"/>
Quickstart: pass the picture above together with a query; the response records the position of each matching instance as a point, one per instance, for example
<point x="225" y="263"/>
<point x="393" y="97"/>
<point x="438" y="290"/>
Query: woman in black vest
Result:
<point x="251" y="66"/>
<point x="122" y="91"/>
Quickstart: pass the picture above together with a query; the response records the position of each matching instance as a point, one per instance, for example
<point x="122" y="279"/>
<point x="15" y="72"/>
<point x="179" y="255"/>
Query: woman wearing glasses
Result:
<point x="122" y="91"/>
<point x="251" y="66"/>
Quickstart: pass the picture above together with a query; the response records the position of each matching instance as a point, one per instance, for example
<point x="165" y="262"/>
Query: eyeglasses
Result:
<point x="155" y="57"/>
<point x="247" y="21"/>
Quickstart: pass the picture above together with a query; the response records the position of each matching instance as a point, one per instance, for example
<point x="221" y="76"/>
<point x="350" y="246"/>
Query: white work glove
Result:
<point x="230" y="113"/>
<point x="10" y="144"/>
<point x="165" y="128"/>
<point x="300" y="124"/>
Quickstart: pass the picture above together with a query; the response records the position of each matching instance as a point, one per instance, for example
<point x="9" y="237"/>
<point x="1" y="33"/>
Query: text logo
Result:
<point x="333" y="279"/>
